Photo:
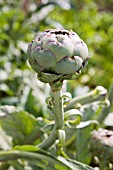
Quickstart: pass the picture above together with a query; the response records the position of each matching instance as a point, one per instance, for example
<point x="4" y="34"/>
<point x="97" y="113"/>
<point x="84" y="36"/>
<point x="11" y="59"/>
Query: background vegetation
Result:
<point x="20" y="21"/>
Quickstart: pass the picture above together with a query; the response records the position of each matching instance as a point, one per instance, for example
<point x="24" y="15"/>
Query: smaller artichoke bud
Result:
<point x="57" y="55"/>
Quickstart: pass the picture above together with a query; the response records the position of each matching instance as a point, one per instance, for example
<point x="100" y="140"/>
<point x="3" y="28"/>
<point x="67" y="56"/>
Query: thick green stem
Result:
<point x="99" y="93"/>
<point x="43" y="160"/>
<point x="30" y="156"/>
<point x="58" y="108"/>
<point x="58" y="112"/>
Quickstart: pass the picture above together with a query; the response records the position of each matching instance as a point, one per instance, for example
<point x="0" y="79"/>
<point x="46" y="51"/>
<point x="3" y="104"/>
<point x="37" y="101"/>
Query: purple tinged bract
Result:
<point x="57" y="55"/>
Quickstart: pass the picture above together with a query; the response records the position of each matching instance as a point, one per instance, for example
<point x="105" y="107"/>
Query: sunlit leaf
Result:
<point x="17" y="124"/>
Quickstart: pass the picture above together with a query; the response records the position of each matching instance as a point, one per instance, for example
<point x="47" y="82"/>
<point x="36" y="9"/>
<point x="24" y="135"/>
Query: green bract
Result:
<point x="57" y="54"/>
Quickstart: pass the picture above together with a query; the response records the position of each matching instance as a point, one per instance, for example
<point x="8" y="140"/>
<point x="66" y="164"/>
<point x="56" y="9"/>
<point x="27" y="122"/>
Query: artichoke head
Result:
<point x="57" y="55"/>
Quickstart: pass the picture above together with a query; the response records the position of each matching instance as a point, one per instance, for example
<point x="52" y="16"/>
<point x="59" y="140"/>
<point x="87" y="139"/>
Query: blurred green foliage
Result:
<point x="21" y="20"/>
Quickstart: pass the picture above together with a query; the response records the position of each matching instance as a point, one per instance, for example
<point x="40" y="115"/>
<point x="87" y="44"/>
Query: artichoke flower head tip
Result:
<point x="57" y="54"/>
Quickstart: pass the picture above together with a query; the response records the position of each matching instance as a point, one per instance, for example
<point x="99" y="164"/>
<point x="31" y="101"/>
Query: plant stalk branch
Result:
<point x="92" y="96"/>
<point x="16" y="154"/>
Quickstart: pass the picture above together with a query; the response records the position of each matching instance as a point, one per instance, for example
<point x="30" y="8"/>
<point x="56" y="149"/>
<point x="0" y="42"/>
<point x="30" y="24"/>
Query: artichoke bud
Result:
<point x="57" y="55"/>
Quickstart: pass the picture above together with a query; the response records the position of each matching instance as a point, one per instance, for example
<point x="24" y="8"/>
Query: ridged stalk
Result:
<point x="58" y="112"/>
<point x="43" y="158"/>
<point x="98" y="94"/>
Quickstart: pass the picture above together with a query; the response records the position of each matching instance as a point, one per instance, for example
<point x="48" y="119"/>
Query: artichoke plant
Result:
<point x="57" y="55"/>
